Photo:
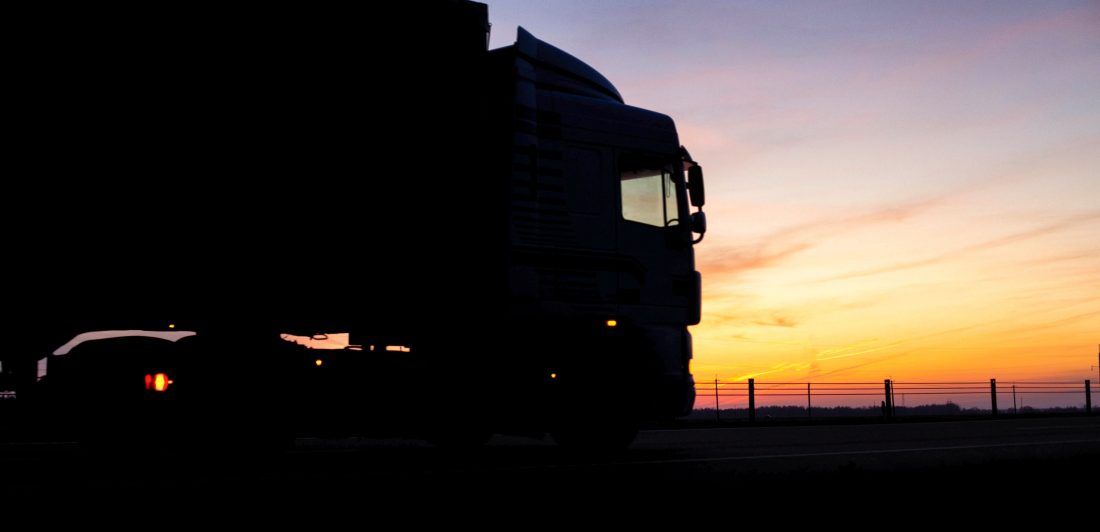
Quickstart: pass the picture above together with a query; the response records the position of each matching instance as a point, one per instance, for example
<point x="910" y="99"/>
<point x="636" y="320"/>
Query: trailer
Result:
<point x="497" y="239"/>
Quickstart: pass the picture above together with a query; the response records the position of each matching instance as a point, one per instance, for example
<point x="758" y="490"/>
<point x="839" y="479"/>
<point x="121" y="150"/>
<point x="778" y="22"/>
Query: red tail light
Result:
<point x="157" y="382"/>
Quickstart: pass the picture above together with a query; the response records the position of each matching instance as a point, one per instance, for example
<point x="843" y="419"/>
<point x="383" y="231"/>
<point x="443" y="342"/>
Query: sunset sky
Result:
<point x="906" y="190"/>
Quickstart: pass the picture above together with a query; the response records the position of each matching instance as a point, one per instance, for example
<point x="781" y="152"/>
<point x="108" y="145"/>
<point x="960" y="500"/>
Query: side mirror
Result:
<point x="699" y="222"/>
<point x="695" y="186"/>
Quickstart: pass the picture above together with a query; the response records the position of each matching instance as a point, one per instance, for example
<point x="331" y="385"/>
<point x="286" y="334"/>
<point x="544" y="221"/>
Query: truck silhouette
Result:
<point x="502" y="243"/>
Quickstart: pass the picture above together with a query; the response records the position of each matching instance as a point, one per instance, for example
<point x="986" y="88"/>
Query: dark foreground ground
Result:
<point x="910" y="465"/>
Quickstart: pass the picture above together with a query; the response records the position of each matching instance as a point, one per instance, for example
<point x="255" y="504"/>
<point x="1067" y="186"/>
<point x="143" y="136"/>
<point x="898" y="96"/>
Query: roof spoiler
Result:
<point x="567" y="73"/>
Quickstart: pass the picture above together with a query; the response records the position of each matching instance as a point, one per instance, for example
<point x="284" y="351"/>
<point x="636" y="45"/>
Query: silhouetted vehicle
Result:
<point x="507" y="244"/>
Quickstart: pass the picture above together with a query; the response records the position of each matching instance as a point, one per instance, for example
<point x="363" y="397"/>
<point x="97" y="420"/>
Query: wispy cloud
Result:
<point x="844" y="370"/>
<point x="778" y="368"/>
<point x="1063" y="321"/>
<point x="857" y="349"/>
<point x="732" y="260"/>
<point x="777" y="321"/>
<point x="1006" y="240"/>
<point x="774" y="248"/>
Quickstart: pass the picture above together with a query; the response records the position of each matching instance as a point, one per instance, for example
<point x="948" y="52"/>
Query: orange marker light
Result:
<point x="318" y="362"/>
<point x="612" y="323"/>
<point x="553" y="375"/>
<point x="171" y="325"/>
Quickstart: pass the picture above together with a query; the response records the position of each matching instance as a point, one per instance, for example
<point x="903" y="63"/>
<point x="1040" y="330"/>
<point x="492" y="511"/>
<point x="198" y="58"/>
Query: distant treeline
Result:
<point x="946" y="409"/>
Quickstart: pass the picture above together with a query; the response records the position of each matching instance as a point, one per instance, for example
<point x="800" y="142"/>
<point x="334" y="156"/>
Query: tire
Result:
<point x="596" y="437"/>
<point x="460" y="439"/>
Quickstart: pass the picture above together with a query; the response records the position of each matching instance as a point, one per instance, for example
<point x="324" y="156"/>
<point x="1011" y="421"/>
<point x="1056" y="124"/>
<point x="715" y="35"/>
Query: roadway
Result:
<point x="996" y="457"/>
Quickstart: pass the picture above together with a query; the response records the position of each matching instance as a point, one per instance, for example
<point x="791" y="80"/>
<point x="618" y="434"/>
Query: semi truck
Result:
<point x="286" y="223"/>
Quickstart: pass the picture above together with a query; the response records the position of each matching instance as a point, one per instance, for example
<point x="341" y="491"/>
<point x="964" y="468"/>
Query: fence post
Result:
<point x="717" y="406"/>
<point x="809" y="402"/>
<point x="993" y="394"/>
<point x="752" y="400"/>
<point x="889" y="402"/>
<point x="893" y="400"/>
<point x="1088" y="396"/>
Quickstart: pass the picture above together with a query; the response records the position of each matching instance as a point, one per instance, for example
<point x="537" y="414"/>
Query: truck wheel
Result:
<point x="596" y="438"/>
<point x="459" y="438"/>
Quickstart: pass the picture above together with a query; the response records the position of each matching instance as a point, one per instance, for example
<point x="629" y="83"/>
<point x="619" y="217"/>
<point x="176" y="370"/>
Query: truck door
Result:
<point x="654" y="240"/>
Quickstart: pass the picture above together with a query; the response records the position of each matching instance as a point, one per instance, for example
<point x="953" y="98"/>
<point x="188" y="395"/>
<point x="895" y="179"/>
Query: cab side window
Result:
<point x="648" y="194"/>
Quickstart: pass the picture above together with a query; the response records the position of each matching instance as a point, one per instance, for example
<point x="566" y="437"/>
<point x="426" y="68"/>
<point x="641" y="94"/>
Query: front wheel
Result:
<point x="459" y="438"/>
<point x="596" y="437"/>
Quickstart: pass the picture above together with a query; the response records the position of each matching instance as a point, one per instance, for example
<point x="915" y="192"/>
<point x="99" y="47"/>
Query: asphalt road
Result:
<point x="996" y="458"/>
<point x="876" y="447"/>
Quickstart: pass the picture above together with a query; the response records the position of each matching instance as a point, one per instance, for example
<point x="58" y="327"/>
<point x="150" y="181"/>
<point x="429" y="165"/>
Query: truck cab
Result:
<point x="601" y="231"/>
